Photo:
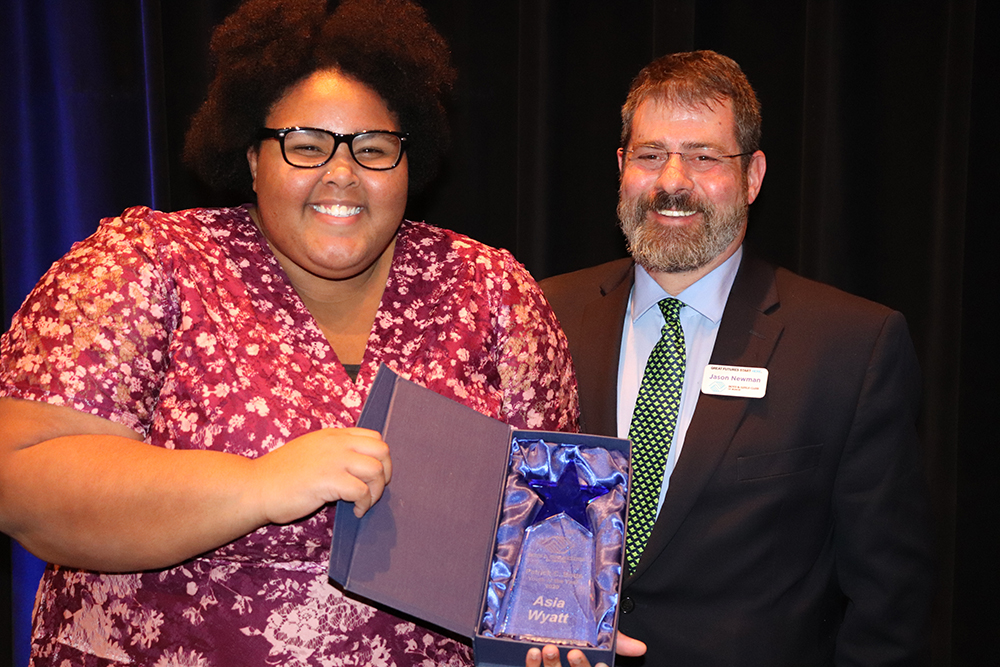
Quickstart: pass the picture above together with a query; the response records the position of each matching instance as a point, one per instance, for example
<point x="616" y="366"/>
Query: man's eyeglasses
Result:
<point x="653" y="159"/>
<point x="309" y="147"/>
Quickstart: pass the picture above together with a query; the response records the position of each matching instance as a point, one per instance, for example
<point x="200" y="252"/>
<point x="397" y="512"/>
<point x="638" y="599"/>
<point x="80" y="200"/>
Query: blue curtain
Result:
<point x="80" y="140"/>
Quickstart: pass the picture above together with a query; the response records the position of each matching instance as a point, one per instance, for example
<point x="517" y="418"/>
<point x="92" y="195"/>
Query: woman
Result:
<point x="180" y="391"/>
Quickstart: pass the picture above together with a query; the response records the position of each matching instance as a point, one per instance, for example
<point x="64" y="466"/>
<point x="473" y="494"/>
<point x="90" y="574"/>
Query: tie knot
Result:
<point x="671" y="308"/>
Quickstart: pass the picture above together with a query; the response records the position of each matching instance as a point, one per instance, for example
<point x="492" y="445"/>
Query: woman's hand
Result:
<point x="324" y="466"/>
<point x="548" y="656"/>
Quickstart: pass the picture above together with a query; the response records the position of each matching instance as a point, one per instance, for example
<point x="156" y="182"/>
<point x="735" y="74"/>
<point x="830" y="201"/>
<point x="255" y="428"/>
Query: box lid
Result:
<point x="427" y="544"/>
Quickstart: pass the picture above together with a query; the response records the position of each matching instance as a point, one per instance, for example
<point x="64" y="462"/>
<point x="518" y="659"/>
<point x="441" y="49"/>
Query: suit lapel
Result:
<point x="747" y="337"/>
<point x="598" y="350"/>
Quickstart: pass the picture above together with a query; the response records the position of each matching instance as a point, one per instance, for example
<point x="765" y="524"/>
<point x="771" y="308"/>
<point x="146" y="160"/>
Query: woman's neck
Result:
<point x="345" y="309"/>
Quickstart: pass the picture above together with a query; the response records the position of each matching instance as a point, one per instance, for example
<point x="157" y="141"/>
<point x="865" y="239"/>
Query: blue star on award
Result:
<point x="551" y="596"/>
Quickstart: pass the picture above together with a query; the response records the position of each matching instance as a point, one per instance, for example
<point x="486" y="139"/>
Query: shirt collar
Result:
<point x="708" y="295"/>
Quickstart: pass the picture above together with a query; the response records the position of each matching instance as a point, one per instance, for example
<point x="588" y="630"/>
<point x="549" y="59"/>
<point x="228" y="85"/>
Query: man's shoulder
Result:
<point x="813" y="315"/>
<point x="578" y="287"/>
<point x="799" y="293"/>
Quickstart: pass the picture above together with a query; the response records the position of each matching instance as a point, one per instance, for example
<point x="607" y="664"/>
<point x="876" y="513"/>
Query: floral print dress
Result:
<point x="183" y="327"/>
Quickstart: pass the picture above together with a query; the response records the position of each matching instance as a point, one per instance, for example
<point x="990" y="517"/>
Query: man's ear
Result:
<point x="755" y="175"/>
<point x="621" y="161"/>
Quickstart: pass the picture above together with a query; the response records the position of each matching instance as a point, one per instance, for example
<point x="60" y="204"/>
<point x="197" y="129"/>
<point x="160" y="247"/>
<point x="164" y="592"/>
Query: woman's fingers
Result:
<point x="323" y="466"/>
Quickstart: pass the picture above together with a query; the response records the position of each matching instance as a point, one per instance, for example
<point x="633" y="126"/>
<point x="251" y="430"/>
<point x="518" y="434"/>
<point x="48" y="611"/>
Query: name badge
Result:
<point x="743" y="381"/>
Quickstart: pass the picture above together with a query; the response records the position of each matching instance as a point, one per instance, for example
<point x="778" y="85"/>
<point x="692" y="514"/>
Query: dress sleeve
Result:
<point x="536" y="370"/>
<point x="94" y="333"/>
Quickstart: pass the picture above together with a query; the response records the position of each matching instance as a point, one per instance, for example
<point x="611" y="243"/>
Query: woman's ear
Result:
<point x="252" y="161"/>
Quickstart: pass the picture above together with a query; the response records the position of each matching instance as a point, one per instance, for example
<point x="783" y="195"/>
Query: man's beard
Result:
<point x="673" y="249"/>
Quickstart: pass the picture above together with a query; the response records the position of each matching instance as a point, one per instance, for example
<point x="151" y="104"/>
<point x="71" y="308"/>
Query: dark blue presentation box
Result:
<point x="425" y="549"/>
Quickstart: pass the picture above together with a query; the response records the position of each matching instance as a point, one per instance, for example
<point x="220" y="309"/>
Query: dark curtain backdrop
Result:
<point x="879" y="128"/>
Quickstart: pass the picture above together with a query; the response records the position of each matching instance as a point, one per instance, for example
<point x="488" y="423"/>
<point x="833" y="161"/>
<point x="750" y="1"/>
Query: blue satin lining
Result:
<point x="538" y="459"/>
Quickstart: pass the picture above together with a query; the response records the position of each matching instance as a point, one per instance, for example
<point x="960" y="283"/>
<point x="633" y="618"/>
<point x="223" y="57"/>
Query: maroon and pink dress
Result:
<point x="184" y="327"/>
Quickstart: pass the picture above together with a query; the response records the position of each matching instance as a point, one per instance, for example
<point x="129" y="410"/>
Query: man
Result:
<point x="787" y="522"/>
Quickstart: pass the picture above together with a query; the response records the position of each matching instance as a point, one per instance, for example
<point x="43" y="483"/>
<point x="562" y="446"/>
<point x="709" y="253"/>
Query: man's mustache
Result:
<point x="680" y="201"/>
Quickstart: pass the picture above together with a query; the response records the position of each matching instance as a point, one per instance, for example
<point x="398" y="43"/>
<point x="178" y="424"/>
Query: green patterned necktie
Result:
<point x="652" y="428"/>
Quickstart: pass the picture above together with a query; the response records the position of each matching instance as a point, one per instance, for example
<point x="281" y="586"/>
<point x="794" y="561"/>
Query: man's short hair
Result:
<point x="693" y="79"/>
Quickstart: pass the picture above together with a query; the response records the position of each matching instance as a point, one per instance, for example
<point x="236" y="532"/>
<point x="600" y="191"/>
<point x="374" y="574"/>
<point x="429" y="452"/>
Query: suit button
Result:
<point x="627" y="605"/>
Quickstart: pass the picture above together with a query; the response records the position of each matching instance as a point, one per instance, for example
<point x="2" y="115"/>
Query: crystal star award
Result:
<point x="551" y="596"/>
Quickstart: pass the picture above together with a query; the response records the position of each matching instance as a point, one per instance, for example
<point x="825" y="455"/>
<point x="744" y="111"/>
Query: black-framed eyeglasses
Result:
<point x="310" y="147"/>
<point x="653" y="159"/>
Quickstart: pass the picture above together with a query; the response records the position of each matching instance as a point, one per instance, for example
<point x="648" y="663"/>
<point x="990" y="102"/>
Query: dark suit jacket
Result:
<point x="794" y="531"/>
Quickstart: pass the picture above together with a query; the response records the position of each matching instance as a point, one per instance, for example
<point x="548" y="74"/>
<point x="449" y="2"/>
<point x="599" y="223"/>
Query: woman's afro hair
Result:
<point x="268" y="46"/>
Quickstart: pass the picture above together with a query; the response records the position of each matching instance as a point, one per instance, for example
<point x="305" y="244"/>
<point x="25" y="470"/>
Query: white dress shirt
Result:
<point x="704" y="302"/>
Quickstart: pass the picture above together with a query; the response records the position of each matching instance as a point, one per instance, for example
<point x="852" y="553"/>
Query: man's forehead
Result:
<point x="710" y="118"/>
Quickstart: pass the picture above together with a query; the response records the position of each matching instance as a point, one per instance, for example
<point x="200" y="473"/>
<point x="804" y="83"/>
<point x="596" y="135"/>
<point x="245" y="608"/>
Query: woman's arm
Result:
<point x="533" y="360"/>
<point x="83" y="491"/>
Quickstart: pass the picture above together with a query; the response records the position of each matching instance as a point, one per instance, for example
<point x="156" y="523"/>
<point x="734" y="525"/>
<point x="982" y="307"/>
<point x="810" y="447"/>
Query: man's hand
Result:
<point x="548" y="656"/>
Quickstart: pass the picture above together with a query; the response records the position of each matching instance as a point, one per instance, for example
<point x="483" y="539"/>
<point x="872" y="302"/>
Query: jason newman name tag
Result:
<point x="743" y="381"/>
